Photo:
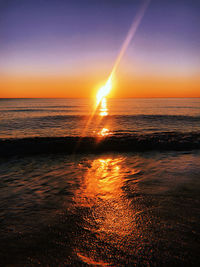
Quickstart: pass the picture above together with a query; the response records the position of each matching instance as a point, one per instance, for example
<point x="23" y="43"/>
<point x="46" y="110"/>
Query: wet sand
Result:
<point x="118" y="209"/>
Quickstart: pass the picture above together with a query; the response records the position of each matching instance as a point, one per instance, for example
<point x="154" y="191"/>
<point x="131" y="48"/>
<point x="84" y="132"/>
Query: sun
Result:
<point x="104" y="91"/>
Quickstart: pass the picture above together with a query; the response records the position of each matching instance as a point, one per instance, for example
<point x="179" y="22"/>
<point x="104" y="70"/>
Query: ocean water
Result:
<point x="68" y="117"/>
<point x="120" y="187"/>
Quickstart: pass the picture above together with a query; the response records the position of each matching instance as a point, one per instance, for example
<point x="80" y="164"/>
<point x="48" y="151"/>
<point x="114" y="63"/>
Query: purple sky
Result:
<point x="70" y="37"/>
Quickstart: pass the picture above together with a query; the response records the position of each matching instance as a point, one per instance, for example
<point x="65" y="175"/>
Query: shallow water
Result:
<point x="118" y="209"/>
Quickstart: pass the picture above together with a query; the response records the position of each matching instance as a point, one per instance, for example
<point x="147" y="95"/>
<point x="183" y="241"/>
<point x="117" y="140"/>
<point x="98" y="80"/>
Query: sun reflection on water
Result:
<point x="102" y="112"/>
<point x="104" y="132"/>
<point x="102" y="191"/>
<point x="103" y="179"/>
<point x="103" y="108"/>
<point x="107" y="212"/>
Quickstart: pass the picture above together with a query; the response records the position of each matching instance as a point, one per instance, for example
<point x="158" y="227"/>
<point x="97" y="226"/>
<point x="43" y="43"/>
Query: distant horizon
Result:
<point x="92" y="98"/>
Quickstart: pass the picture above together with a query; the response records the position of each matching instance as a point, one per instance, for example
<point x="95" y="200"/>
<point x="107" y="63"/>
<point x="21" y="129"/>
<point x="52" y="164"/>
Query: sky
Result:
<point x="67" y="48"/>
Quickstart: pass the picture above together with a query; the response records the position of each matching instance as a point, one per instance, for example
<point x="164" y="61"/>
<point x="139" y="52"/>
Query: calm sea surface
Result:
<point x="108" y="209"/>
<point x="69" y="117"/>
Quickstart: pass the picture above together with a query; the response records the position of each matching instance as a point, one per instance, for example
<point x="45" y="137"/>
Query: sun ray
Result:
<point x="105" y="90"/>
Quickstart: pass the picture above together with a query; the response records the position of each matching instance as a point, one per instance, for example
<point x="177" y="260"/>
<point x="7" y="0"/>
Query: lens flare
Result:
<point x="130" y="35"/>
<point x="105" y="90"/>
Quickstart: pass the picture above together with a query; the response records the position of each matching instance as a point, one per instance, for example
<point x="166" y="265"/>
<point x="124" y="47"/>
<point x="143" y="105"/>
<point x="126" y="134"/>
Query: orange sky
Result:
<point x="69" y="49"/>
<point x="80" y="87"/>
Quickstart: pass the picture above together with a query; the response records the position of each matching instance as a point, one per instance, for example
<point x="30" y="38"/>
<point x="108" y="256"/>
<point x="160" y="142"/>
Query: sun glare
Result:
<point x="104" y="132"/>
<point x="101" y="96"/>
<point x="104" y="91"/>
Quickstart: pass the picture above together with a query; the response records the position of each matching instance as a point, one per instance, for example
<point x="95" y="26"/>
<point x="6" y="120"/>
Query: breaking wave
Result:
<point x="120" y="142"/>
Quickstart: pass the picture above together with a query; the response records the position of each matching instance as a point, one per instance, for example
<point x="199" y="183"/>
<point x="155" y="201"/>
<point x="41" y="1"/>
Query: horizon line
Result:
<point x="92" y="98"/>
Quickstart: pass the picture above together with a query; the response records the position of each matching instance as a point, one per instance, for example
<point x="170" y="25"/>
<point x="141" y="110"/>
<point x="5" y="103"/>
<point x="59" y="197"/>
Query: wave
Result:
<point x="37" y="110"/>
<point x="161" y="141"/>
<point x="148" y="118"/>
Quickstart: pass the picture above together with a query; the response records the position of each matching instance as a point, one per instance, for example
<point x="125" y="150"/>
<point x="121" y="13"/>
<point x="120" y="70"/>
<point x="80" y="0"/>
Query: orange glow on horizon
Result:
<point x="127" y="86"/>
<point x="133" y="80"/>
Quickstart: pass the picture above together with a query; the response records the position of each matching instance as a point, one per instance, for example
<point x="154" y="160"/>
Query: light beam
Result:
<point x="104" y="91"/>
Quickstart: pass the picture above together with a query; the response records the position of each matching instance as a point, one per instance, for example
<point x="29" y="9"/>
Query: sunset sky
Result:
<point x="67" y="48"/>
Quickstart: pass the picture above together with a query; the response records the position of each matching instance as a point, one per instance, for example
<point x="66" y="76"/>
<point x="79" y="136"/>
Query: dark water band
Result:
<point x="162" y="141"/>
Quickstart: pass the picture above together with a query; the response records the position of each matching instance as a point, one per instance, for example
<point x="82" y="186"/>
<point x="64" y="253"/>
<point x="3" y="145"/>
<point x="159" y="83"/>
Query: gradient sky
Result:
<point x="66" y="48"/>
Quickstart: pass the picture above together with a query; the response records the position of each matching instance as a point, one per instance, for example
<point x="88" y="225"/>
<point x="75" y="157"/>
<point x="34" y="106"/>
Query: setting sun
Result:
<point x="104" y="91"/>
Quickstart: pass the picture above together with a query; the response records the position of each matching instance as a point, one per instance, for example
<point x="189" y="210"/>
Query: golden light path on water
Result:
<point x="102" y="188"/>
<point x="112" y="214"/>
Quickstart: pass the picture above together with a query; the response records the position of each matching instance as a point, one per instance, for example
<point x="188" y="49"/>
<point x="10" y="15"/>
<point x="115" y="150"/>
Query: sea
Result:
<point x="111" y="185"/>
